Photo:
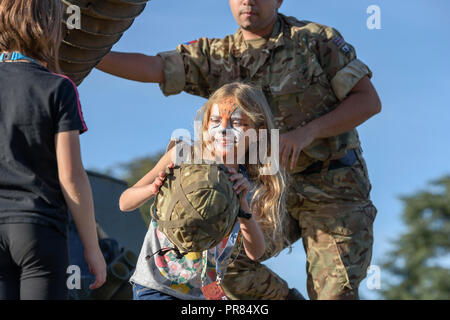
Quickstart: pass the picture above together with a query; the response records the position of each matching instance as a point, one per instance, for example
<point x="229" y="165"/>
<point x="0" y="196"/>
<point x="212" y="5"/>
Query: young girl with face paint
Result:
<point x="226" y="126"/>
<point x="225" y="119"/>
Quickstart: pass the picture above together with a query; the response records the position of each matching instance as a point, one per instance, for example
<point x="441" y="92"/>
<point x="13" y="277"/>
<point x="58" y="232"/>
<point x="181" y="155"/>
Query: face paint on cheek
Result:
<point x="238" y="130"/>
<point x="214" y="126"/>
<point x="215" y="129"/>
<point x="222" y="132"/>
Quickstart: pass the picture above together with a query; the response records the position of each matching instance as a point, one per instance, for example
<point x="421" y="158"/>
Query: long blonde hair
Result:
<point x="33" y="28"/>
<point x="269" y="194"/>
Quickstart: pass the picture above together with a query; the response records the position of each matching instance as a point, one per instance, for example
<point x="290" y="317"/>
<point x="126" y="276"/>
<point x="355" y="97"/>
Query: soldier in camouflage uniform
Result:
<point x="318" y="92"/>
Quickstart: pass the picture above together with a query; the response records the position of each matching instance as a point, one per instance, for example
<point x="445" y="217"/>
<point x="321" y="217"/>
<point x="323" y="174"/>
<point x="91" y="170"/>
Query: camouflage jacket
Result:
<point x="305" y="69"/>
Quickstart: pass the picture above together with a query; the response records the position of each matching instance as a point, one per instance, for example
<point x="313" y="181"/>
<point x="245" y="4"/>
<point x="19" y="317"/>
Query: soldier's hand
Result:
<point x="293" y="142"/>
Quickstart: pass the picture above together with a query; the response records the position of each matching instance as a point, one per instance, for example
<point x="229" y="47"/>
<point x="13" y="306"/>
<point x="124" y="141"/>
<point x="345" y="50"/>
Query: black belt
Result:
<point x="346" y="161"/>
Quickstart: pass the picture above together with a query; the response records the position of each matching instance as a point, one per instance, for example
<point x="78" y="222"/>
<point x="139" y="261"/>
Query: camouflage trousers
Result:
<point x="333" y="215"/>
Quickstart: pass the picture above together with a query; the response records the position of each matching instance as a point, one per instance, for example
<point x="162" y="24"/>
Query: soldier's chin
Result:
<point x="248" y="25"/>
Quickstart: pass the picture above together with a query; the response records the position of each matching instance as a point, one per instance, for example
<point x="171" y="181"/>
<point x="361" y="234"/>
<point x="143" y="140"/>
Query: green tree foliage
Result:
<point x="418" y="264"/>
<point x="134" y="171"/>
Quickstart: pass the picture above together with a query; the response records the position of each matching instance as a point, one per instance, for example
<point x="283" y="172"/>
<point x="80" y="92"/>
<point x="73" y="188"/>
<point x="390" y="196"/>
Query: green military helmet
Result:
<point x="196" y="207"/>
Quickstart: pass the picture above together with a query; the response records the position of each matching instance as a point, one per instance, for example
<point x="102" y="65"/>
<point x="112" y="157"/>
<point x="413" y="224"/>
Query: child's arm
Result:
<point x="133" y="66"/>
<point x="254" y="243"/>
<point x="148" y="186"/>
<point x="78" y="195"/>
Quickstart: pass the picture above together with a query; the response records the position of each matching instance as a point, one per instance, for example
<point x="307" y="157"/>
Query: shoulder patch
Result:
<point x="338" y="41"/>
<point x="190" y="42"/>
<point x="342" y="45"/>
<point x="345" y="48"/>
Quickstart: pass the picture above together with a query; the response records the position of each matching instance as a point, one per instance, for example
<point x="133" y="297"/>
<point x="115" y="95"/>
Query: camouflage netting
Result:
<point x="102" y="23"/>
<point x="196" y="207"/>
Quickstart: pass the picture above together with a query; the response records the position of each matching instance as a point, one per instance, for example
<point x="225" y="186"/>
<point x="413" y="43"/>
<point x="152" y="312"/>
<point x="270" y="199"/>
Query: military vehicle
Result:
<point x="87" y="39"/>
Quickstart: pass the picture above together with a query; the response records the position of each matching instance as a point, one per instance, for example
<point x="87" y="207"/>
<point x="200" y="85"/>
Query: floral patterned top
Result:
<point x="166" y="273"/>
<point x="180" y="278"/>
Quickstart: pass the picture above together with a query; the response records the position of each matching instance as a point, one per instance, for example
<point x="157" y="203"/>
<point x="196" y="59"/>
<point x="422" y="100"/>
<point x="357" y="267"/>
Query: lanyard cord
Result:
<point x="226" y="252"/>
<point x="163" y="251"/>
<point x="222" y="256"/>
<point x="14" y="56"/>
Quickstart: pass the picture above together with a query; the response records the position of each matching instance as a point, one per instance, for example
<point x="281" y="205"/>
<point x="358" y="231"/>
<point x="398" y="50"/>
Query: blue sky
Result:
<point x="405" y="146"/>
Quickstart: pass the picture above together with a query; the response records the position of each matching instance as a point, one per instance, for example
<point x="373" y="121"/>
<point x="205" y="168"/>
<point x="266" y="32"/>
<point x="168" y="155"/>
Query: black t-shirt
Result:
<point x="35" y="104"/>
